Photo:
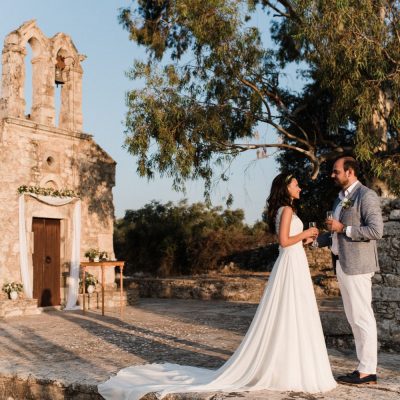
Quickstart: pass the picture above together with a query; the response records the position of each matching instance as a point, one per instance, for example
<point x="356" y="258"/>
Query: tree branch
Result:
<point x="255" y="88"/>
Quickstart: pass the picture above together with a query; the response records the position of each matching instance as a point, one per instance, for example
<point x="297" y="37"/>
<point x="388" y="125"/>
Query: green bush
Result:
<point x="167" y="239"/>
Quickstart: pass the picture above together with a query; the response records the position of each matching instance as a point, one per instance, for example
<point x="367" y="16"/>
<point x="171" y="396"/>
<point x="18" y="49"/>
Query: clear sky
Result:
<point x="94" y="29"/>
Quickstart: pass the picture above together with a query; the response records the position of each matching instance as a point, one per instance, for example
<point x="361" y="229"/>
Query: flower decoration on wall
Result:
<point x="41" y="191"/>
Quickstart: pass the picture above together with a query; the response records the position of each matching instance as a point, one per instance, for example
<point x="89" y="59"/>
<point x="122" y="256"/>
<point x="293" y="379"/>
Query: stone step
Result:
<point x="19" y="307"/>
<point x="20" y="388"/>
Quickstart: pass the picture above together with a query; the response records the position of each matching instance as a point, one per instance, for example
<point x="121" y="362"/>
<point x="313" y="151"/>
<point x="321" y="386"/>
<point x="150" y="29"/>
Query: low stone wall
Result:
<point x="246" y="287"/>
<point x="227" y="288"/>
<point x="386" y="288"/>
<point x="323" y="276"/>
<point x="233" y="283"/>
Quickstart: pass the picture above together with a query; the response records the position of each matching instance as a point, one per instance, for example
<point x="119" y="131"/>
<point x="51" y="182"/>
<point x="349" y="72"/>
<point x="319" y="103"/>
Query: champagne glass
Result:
<point x="329" y="215"/>
<point x="314" y="242"/>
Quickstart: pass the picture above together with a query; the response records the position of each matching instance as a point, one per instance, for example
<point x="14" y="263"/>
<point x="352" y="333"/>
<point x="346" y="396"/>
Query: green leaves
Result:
<point x="210" y="81"/>
<point x="168" y="239"/>
<point x="353" y="51"/>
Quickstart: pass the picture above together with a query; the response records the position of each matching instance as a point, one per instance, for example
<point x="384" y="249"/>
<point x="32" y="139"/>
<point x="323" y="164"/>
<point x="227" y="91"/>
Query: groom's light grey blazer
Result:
<point x="358" y="254"/>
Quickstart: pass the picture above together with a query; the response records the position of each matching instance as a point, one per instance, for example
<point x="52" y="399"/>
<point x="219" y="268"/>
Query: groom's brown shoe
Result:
<point x="354" y="379"/>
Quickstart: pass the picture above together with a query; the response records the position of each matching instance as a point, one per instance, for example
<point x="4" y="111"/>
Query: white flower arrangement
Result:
<point x="12" y="287"/>
<point x="92" y="253"/>
<point x="346" y="203"/>
<point x="89" y="280"/>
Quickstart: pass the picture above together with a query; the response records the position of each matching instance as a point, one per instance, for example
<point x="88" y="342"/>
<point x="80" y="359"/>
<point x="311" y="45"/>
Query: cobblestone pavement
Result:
<point x="70" y="349"/>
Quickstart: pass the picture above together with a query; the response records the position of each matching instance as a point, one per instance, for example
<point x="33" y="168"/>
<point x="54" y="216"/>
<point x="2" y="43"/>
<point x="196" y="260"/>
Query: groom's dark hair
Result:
<point x="351" y="163"/>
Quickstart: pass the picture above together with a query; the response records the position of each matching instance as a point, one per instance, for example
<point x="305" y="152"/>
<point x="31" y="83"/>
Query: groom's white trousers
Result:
<point x="356" y="291"/>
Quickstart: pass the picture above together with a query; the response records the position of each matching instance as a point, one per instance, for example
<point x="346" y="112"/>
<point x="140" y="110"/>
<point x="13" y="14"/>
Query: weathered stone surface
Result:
<point x="392" y="280"/>
<point x="395" y="204"/>
<point x="20" y="307"/>
<point x="64" y="355"/>
<point x="35" y="152"/>
<point x="394" y="215"/>
<point x="386" y="293"/>
<point x="112" y="299"/>
<point x="386" y="289"/>
<point x="243" y="286"/>
<point x="391" y="228"/>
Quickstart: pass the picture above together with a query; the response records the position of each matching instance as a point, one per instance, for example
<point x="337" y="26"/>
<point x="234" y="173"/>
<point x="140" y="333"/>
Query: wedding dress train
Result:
<point x="284" y="348"/>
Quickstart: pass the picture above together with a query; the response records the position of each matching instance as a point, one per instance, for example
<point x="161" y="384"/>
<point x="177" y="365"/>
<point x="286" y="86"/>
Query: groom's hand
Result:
<point x="334" y="225"/>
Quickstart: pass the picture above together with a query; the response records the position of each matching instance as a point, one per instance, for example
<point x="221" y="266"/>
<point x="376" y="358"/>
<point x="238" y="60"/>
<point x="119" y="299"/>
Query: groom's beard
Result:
<point x="341" y="184"/>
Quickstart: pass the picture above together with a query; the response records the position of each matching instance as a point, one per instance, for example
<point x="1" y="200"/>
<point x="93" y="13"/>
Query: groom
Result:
<point x="356" y="225"/>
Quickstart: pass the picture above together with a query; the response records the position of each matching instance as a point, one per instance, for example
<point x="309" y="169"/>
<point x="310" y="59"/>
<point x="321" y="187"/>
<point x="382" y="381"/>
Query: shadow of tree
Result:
<point x="96" y="170"/>
<point x="150" y="345"/>
<point x="45" y="361"/>
<point x="219" y="314"/>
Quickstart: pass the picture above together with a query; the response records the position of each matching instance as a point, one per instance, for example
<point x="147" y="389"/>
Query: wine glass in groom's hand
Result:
<point x="314" y="243"/>
<point x="329" y="216"/>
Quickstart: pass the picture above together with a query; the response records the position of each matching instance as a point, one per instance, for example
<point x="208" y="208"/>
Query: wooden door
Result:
<point x="46" y="261"/>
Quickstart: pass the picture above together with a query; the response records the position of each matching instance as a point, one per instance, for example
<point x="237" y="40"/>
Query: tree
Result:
<point x="210" y="82"/>
<point x="352" y="49"/>
<point x="167" y="239"/>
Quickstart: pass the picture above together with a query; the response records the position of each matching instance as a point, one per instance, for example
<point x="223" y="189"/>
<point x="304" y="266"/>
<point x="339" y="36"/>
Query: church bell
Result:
<point x="59" y="76"/>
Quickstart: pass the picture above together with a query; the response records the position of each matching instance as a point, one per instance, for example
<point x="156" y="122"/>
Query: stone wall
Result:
<point x="386" y="288"/>
<point x="262" y="259"/>
<point x="36" y="152"/>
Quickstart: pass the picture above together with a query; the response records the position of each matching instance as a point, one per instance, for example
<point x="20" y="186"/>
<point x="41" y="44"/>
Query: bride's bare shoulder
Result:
<point x="287" y="211"/>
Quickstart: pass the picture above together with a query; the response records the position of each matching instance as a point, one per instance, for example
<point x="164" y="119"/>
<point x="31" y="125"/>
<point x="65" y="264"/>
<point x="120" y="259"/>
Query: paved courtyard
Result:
<point x="60" y="354"/>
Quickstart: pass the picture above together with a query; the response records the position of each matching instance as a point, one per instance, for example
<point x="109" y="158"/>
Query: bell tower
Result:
<point x="55" y="61"/>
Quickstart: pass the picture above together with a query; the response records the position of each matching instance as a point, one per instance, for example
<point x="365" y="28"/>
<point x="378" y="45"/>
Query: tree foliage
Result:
<point x="211" y="81"/>
<point x="167" y="239"/>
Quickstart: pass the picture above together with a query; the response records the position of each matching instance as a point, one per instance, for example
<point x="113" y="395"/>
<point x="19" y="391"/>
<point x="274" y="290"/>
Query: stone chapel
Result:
<point x="56" y="197"/>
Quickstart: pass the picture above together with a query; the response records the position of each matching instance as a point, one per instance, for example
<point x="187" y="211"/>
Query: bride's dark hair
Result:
<point x="278" y="197"/>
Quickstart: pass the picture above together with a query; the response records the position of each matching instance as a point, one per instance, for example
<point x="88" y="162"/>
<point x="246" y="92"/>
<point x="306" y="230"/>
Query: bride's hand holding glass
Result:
<point x="311" y="234"/>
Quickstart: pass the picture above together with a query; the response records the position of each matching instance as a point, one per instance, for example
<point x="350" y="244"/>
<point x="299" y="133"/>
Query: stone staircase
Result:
<point x="24" y="307"/>
<point x="18" y="308"/>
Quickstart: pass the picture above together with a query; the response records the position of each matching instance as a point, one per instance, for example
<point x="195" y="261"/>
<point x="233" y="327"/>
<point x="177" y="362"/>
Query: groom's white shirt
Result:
<point x="336" y="215"/>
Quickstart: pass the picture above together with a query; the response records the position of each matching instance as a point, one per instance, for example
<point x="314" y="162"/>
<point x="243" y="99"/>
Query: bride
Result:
<point x="284" y="348"/>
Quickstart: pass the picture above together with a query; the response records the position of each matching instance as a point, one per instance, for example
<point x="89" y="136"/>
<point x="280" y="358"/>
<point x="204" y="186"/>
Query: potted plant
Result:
<point x="12" y="289"/>
<point x="90" y="283"/>
<point x="93" y="254"/>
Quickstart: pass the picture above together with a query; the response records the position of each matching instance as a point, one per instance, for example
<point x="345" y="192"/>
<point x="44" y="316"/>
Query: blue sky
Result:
<point x="94" y="28"/>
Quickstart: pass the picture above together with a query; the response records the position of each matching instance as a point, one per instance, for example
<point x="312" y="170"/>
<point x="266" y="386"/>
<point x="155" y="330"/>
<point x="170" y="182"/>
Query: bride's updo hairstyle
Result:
<point x="278" y="197"/>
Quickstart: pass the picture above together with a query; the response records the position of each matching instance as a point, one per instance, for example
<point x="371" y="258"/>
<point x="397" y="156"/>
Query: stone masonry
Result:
<point x="386" y="290"/>
<point x="36" y="152"/>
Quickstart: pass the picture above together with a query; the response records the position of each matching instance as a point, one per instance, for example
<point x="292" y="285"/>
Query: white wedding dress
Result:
<point x="284" y="348"/>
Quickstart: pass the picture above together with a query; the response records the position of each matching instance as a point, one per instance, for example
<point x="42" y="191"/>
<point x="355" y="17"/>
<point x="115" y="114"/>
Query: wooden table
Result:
<point x="103" y="265"/>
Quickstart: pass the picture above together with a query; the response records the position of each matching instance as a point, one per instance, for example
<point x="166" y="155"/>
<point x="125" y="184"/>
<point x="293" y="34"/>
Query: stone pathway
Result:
<point x="64" y="355"/>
